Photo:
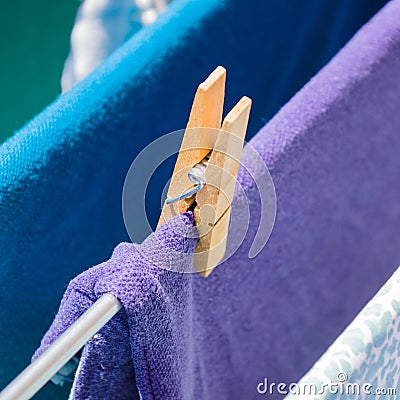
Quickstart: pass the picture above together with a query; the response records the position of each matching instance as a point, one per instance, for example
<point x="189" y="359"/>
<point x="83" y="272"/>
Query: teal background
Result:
<point x="34" y="42"/>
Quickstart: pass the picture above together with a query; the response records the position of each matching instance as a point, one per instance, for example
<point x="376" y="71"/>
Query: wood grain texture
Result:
<point x="206" y="112"/>
<point x="212" y="214"/>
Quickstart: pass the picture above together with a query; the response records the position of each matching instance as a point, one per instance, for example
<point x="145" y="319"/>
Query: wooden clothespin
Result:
<point x="216" y="150"/>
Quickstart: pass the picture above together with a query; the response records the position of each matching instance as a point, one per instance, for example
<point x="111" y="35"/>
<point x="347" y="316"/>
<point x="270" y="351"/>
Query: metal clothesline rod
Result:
<point x="38" y="373"/>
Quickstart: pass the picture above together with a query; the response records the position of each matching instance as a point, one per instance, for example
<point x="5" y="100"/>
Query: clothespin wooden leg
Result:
<point x="218" y="193"/>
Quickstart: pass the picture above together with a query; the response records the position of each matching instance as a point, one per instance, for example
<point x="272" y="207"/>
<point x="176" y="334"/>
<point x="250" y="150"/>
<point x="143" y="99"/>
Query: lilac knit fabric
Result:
<point x="333" y="154"/>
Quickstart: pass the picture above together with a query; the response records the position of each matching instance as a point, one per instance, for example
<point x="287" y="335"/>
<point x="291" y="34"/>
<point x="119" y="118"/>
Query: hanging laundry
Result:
<point x="62" y="175"/>
<point x="153" y="329"/>
<point x="332" y="151"/>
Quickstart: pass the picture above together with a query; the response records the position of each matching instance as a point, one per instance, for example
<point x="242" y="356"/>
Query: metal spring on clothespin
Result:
<point x="196" y="176"/>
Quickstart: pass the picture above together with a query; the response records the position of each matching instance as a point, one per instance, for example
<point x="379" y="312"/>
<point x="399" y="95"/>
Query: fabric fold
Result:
<point x="151" y="321"/>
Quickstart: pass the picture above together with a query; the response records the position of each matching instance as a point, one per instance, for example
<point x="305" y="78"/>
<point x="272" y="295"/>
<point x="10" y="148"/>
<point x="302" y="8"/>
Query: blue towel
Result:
<point x="333" y="154"/>
<point x="62" y="174"/>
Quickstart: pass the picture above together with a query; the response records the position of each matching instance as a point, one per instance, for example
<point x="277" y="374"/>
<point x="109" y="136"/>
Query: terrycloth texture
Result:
<point x="367" y="354"/>
<point x="148" y="294"/>
<point x="62" y="175"/>
<point x="333" y="154"/>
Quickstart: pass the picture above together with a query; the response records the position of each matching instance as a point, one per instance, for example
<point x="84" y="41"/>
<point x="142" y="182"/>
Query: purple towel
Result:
<point x="333" y="152"/>
<point x="157" y="306"/>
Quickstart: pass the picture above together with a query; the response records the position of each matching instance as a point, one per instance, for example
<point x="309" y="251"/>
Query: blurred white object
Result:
<point x="101" y="26"/>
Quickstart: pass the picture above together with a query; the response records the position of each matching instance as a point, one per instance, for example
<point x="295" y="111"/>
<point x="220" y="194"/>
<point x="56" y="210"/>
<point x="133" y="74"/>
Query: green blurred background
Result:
<point x="34" y="40"/>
